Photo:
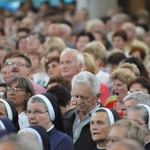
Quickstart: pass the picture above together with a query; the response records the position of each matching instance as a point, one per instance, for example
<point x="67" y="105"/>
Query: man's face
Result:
<point x="33" y="43"/>
<point x="19" y="70"/>
<point x="84" y="97"/>
<point x="69" y="66"/>
<point x="99" y="126"/>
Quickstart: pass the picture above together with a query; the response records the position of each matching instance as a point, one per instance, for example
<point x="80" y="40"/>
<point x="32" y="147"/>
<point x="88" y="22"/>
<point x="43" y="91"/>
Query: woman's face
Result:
<point x="120" y="89"/>
<point x="113" y="135"/>
<point x="136" y="116"/>
<point x="3" y="113"/>
<point x="53" y="69"/>
<point x="37" y="114"/>
<point x="137" y="87"/>
<point x="17" y="95"/>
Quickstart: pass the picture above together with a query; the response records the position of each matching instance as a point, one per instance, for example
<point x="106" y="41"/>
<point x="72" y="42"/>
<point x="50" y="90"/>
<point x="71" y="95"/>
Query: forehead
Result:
<point x="68" y="56"/>
<point x="82" y="88"/>
<point x="130" y="102"/>
<point x="18" y="59"/>
<point x="134" y="114"/>
<point x="117" y="81"/>
<point x="36" y="105"/>
<point x="99" y="116"/>
<point x="115" y="130"/>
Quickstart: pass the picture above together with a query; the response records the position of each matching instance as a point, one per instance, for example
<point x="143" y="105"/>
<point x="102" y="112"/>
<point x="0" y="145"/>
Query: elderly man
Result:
<point x="71" y="63"/>
<point x="85" y="91"/>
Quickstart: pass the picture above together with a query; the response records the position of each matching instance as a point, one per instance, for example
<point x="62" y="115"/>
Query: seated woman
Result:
<point x="40" y="134"/>
<point x="120" y="79"/>
<point x="140" y="83"/>
<point x="8" y="109"/>
<point x="125" y="129"/>
<point x="43" y="109"/>
<point x="100" y="123"/>
<point x="140" y="113"/>
<point x="19" y="90"/>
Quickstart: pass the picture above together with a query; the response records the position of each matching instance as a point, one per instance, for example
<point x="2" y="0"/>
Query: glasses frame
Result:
<point x="18" y="64"/>
<point x="36" y="112"/>
<point x="15" y="90"/>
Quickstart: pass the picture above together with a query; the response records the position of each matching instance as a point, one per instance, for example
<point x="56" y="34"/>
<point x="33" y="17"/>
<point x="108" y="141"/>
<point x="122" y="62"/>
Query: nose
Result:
<point x="31" y="115"/>
<point x="94" y="127"/>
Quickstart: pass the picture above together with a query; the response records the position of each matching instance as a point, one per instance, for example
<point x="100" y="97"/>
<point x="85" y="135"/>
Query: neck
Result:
<point x="82" y="115"/>
<point x="19" y="109"/>
<point x="147" y="138"/>
<point x="118" y="105"/>
<point x="102" y="143"/>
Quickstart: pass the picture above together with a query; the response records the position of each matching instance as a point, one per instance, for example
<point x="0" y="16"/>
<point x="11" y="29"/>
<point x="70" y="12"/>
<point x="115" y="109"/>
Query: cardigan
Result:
<point x="59" y="140"/>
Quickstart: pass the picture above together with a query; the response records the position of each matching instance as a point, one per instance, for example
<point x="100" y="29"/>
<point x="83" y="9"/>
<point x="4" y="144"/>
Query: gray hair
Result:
<point x="25" y="142"/>
<point x="86" y="77"/>
<point x="142" y="98"/>
<point x="142" y="110"/>
<point x="92" y="22"/>
<point x="79" y="55"/>
<point x="67" y="27"/>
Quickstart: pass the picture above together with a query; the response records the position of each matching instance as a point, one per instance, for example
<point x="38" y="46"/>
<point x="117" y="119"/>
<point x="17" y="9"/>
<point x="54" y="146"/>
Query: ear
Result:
<point x="98" y="95"/>
<point x="29" y="71"/>
<point x="28" y="95"/>
<point x="81" y="67"/>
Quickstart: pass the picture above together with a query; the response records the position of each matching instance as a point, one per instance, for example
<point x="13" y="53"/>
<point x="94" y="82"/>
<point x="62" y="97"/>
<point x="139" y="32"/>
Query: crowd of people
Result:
<point x="68" y="82"/>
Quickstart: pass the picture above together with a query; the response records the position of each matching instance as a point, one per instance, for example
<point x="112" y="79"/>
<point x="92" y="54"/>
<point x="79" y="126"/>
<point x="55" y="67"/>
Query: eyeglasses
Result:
<point x="80" y="96"/>
<point x="16" y="90"/>
<point x="36" y="112"/>
<point x="18" y="64"/>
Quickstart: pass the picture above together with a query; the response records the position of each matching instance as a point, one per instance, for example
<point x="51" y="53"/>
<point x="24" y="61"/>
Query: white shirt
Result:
<point x="23" y="120"/>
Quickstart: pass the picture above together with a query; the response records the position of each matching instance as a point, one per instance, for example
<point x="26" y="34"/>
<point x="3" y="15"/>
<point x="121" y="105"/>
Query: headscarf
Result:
<point x="40" y="133"/>
<point x="11" y="112"/>
<point x="53" y="109"/>
<point x="6" y="124"/>
<point x="112" y="114"/>
<point x="148" y="110"/>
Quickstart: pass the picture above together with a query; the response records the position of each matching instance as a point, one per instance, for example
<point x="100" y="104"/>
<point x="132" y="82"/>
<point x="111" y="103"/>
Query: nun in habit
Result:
<point x="100" y="123"/>
<point x="140" y="113"/>
<point x="8" y="110"/>
<point x="40" y="133"/>
<point x="43" y="109"/>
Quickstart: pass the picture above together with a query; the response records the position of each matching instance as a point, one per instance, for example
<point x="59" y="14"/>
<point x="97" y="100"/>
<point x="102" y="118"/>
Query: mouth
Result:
<point x="11" y="98"/>
<point x="33" y="123"/>
<point x="117" y="93"/>
<point x="95" y="133"/>
<point x="15" y="70"/>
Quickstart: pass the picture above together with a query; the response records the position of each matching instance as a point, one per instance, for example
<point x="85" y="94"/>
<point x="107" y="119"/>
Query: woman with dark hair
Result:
<point x="140" y="83"/>
<point x="82" y="39"/>
<point x="43" y="109"/>
<point x="139" y="64"/>
<point x="19" y="90"/>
